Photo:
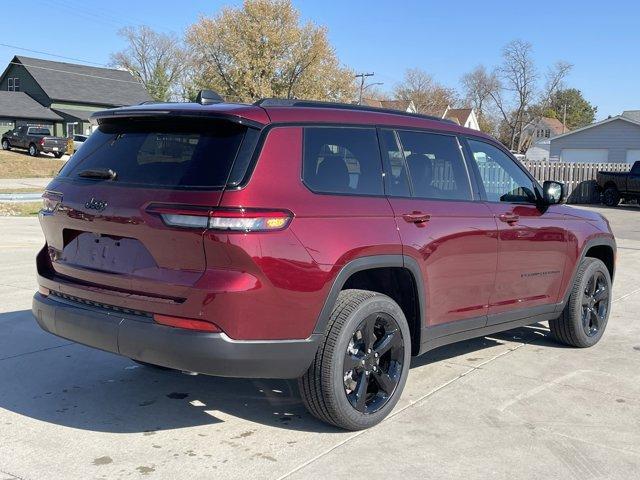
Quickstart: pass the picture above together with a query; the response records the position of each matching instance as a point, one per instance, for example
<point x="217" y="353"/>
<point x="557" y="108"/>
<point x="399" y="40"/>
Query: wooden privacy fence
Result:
<point x="580" y="178"/>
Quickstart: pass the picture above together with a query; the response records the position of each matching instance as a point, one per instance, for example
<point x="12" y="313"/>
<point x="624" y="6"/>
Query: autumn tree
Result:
<point x="156" y="59"/>
<point x="262" y="50"/>
<point x="428" y="96"/>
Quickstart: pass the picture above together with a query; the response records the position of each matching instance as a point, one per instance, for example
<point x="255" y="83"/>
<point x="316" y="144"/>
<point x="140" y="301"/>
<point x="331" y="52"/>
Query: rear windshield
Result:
<point x="39" y="131"/>
<point x="183" y="153"/>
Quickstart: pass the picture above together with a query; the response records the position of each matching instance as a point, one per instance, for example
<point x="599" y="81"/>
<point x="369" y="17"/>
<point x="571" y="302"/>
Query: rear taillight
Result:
<point x="187" y="323"/>
<point x="41" y="142"/>
<point x="226" y="219"/>
<point x="249" y="220"/>
<point x="50" y="201"/>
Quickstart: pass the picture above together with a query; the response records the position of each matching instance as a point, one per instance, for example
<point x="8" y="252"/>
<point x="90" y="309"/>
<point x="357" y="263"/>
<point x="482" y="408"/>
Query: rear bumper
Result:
<point x="52" y="149"/>
<point x="146" y="341"/>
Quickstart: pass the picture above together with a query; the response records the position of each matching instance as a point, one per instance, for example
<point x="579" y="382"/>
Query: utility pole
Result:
<point x="564" y="117"/>
<point x="362" y="77"/>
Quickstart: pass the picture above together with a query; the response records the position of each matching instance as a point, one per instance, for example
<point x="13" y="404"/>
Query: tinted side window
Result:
<point x="342" y="160"/>
<point x="396" y="180"/>
<point x="435" y="165"/>
<point x="503" y="180"/>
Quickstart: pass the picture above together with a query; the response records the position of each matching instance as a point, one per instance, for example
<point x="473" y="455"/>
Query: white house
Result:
<point x="465" y="117"/>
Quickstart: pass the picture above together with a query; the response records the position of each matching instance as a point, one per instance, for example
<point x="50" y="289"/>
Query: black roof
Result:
<point x="83" y="84"/>
<point x="21" y="105"/>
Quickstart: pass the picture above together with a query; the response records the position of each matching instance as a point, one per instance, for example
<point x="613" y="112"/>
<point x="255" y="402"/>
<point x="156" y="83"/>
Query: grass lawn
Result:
<point x="17" y="164"/>
<point x="21" y="190"/>
<point x="27" y="209"/>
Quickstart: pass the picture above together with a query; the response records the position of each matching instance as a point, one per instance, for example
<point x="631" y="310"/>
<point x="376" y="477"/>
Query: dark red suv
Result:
<point x="303" y="239"/>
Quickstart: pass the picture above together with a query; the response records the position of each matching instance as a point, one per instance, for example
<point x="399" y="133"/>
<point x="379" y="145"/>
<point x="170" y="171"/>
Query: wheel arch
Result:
<point x="397" y="276"/>
<point x="602" y="248"/>
<point x="604" y="252"/>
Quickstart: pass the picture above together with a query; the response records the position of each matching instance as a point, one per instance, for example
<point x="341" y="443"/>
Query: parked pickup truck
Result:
<point x="616" y="186"/>
<point x="35" y="140"/>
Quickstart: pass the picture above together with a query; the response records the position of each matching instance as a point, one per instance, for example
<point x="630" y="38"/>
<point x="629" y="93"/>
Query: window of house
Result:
<point x="16" y="84"/>
<point x="547" y="133"/>
<point x="10" y="84"/>
<point x="435" y="166"/>
<point x="342" y="160"/>
<point x="503" y="180"/>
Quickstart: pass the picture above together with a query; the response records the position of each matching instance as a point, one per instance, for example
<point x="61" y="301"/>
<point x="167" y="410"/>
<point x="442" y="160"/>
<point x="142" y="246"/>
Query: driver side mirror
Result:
<point x="553" y="192"/>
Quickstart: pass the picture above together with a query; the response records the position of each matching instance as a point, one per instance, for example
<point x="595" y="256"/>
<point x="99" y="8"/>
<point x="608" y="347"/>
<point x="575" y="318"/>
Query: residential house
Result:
<point x="402" y="105"/>
<point x="614" y="140"/>
<point x="68" y="94"/>
<point x="536" y="137"/>
<point x="465" y="117"/>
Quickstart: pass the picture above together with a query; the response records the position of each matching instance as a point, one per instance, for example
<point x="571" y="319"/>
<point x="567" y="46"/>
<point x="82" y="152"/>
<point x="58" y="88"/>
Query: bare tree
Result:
<point x="518" y="77"/>
<point x="427" y="95"/>
<point x="554" y="80"/>
<point x="478" y="87"/>
<point x="156" y="59"/>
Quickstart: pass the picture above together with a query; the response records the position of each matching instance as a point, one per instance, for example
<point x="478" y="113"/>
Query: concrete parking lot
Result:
<point x="513" y="405"/>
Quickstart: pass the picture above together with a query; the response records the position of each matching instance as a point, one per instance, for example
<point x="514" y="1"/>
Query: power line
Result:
<point x="362" y="77"/>
<point x="51" y="54"/>
<point x="75" y="73"/>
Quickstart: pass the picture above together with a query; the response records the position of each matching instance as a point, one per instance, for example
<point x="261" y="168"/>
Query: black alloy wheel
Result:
<point x="595" y="303"/>
<point x="586" y="312"/>
<point x="373" y="363"/>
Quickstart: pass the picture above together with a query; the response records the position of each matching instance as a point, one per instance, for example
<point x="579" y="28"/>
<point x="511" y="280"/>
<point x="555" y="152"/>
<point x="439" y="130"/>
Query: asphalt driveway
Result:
<point x="513" y="405"/>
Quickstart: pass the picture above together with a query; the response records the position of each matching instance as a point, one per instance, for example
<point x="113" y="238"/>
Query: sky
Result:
<point x="446" y="39"/>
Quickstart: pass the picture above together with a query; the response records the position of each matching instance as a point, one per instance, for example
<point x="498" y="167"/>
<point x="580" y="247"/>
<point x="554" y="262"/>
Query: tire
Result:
<point x="611" y="197"/>
<point x="5" y="144"/>
<point x="364" y="395"/>
<point x="585" y="315"/>
<point x="33" y="151"/>
<point x="58" y="154"/>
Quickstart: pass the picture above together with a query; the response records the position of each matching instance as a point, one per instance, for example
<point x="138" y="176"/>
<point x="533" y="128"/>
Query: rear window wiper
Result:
<point x="99" y="173"/>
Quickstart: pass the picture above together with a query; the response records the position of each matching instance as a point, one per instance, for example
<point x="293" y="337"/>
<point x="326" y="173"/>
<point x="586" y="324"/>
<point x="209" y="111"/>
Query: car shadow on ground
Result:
<point x="79" y="387"/>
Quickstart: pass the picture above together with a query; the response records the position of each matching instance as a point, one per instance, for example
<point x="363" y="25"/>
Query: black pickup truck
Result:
<point x="616" y="186"/>
<point x="35" y="140"/>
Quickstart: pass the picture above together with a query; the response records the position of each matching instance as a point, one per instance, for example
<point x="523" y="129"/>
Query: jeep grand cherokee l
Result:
<point x="325" y="242"/>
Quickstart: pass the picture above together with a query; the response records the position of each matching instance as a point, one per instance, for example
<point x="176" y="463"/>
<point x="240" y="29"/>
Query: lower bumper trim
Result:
<point x="200" y="352"/>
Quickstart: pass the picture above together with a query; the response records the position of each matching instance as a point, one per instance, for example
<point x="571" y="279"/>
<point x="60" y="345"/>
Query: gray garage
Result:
<point x="614" y="140"/>
<point x="18" y="108"/>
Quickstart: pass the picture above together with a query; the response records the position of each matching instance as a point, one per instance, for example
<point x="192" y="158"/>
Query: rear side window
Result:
<point x="342" y="160"/>
<point x="435" y="164"/>
<point x="396" y="179"/>
<point x="161" y="153"/>
<point x="39" y="131"/>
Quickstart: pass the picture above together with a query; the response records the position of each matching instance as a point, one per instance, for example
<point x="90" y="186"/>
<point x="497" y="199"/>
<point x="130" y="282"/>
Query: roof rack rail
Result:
<point x="287" y="102"/>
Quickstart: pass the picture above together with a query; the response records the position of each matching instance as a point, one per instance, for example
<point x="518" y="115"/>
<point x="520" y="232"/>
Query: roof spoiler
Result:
<point x="141" y="113"/>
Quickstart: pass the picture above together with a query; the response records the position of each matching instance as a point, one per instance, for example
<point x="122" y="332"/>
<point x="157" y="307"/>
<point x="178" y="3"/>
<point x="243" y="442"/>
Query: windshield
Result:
<point x="177" y="153"/>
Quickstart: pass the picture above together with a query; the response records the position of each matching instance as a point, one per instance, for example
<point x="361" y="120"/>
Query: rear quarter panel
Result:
<point x="297" y="267"/>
